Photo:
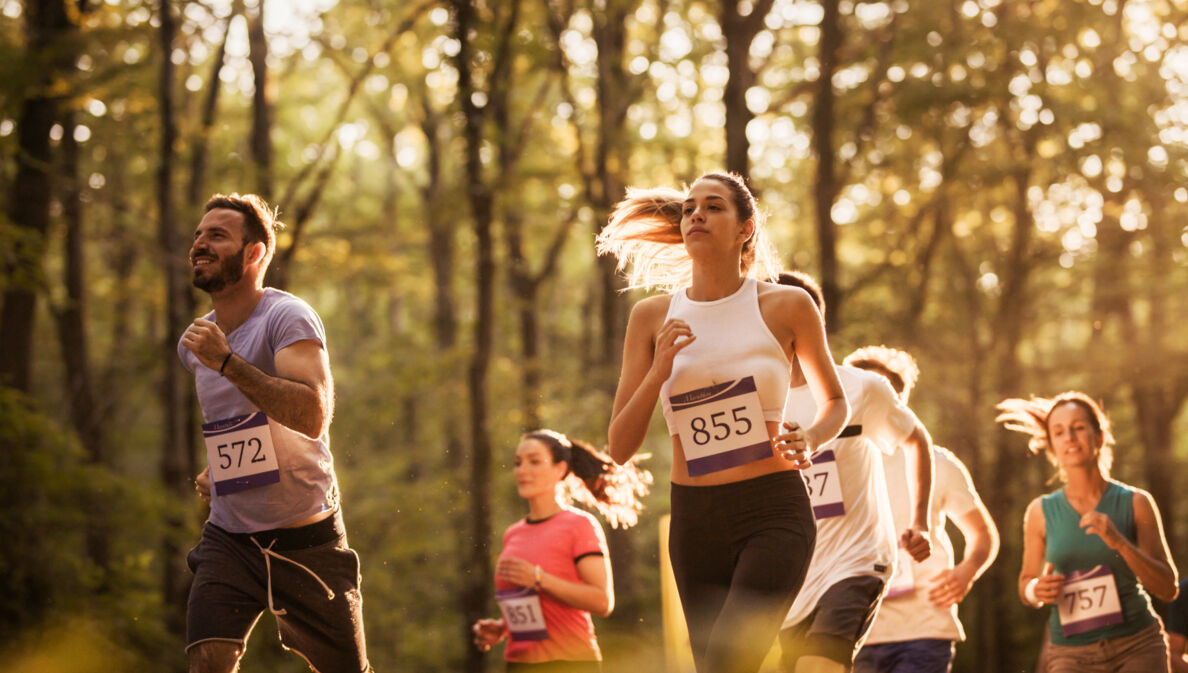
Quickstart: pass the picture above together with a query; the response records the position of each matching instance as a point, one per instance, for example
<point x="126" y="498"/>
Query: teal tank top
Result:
<point x="1069" y="548"/>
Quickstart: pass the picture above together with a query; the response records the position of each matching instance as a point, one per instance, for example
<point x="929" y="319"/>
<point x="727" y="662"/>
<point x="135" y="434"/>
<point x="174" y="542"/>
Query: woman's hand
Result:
<point x="516" y="571"/>
<point x="1048" y="586"/>
<point x="488" y="633"/>
<point x="1099" y="524"/>
<point x="673" y="336"/>
<point x="793" y="446"/>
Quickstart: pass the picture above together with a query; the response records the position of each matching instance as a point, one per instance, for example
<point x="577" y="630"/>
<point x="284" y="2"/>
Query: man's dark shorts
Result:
<point x="235" y="578"/>
<point x="836" y="627"/>
<point x="923" y="655"/>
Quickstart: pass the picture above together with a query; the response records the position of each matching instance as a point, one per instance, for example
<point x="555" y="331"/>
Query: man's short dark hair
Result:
<point x="806" y="283"/>
<point x="260" y="221"/>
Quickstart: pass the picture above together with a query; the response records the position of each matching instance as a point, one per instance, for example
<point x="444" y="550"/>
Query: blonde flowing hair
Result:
<point x="644" y="234"/>
<point x="1031" y="418"/>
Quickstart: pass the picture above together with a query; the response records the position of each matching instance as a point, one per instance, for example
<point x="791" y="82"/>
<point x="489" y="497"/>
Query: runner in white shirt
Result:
<point x="917" y="625"/>
<point x="856" y="536"/>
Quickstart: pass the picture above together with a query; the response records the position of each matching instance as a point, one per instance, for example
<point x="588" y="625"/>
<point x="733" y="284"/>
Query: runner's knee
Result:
<point x="215" y="657"/>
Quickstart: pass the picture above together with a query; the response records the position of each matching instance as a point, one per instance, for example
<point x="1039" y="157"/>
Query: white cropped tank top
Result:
<point x="732" y="342"/>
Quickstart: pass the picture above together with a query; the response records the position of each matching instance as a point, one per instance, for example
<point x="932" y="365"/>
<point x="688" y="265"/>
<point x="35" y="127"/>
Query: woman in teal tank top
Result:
<point x="1092" y="549"/>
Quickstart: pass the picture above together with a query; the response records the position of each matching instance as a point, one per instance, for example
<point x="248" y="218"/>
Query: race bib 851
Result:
<point x="522" y="613"/>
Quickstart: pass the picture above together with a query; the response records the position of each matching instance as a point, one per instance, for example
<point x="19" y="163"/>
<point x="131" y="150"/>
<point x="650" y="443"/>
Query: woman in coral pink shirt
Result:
<point x="554" y="570"/>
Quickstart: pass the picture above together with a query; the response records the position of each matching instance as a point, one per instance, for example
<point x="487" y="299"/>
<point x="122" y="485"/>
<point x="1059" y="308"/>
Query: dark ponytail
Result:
<point x="594" y="480"/>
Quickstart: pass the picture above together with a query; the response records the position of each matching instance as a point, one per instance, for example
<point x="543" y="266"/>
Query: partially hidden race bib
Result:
<point x="904" y="579"/>
<point x="240" y="453"/>
<point x="1089" y="600"/>
<point x="522" y="613"/>
<point x="721" y="426"/>
<point x="824" y="486"/>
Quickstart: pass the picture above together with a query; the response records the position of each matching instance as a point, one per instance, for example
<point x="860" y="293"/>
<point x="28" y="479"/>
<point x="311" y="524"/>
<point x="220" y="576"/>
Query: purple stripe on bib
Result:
<point x="1090" y="624"/>
<point x="830" y="510"/>
<point x="229" y="486"/>
<point x="728" y="459"/>
<point x="722" y="390"/>
<point x="234" y="424"/>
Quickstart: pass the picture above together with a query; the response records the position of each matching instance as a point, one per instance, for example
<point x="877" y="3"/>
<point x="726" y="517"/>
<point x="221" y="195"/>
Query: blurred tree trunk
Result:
<point x="195" y="192"/>
<point x="46" y="23"/>
<point x="261" y="106"/>
<point x="966" y="421"/>
<point x="440" y="221"/>
<point x="1008" y="323"/>
<point x="71" y="320"/>
<point x="525" y="290"/>
<point x="524" y="284"/>
<point x="826" y="186"/>
<point x="1159" y="377"/>
<point x="477" y="583"/>
<point x="739" y="32"/>
<point x="615" y="89"/>
<point x="177" y="458"/>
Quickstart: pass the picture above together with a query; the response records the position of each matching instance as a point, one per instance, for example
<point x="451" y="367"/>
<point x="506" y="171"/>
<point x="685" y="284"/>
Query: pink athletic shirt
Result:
<point x="556" y="544"/>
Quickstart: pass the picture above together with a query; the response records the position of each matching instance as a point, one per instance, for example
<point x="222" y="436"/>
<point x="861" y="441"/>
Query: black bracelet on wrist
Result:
<point x="225" y="361"/>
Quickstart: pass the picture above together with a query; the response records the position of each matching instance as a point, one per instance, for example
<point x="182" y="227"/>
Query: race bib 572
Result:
<point x="240" y="453"/>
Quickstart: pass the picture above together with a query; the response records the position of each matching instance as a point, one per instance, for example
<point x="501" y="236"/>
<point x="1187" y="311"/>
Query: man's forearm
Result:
<point x="920" y="445"/>
<point x="293" y="404"/>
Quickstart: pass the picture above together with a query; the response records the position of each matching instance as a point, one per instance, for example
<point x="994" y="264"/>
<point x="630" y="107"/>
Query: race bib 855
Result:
<point x="721" y="426"/>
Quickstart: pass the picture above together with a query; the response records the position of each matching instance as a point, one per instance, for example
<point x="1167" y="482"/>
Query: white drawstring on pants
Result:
<point x="268" y="554"/>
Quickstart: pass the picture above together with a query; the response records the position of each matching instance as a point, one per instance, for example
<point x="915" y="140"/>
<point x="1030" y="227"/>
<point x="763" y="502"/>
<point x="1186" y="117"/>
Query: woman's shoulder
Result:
<point x="1140" y="499"/>
<point x="577" y="517"/>
<point x="784" y="299"/>
<point x="652" y="309"/>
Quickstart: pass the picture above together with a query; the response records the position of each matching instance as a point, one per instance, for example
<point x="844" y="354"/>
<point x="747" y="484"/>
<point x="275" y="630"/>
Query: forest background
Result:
<point x="996" y="186"/>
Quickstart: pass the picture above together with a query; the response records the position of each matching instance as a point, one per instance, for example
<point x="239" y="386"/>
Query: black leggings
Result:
<point x="739" y="552"/>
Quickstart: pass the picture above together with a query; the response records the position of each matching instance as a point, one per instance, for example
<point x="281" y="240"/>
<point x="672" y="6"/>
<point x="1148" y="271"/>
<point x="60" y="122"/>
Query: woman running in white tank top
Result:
<point x="742" y="528"/>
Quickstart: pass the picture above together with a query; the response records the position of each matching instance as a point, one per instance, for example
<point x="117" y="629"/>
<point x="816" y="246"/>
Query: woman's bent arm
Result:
<point x="645" y="368"/>
<point x="1150" y="559"/>
<point x="595" y="592"/>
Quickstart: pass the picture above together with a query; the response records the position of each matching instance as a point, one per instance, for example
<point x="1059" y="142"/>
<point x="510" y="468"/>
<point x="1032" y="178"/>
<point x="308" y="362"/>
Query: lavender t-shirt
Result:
<point x="307" y="484"/>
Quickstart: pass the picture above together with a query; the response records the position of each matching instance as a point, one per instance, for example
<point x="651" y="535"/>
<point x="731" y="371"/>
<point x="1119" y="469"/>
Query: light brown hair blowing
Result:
<point x="1030" y="417"/>
<point x="644" y="234"/>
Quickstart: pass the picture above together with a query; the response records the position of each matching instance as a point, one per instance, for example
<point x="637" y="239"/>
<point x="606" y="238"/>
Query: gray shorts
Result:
<point x="836" y="628"/>
<point x="1142" y="652"/>
<point x="238" y="575"/>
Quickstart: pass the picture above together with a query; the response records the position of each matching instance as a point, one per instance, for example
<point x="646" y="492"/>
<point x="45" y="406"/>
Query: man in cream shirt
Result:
<point x="917" y="626"/>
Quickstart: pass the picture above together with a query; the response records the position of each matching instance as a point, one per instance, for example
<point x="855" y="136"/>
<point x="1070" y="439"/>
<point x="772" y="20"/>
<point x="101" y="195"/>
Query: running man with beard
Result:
<point x="275" y="538"/>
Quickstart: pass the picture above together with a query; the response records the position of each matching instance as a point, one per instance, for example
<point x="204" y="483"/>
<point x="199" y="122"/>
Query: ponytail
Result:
<point x="594" y="480"/>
